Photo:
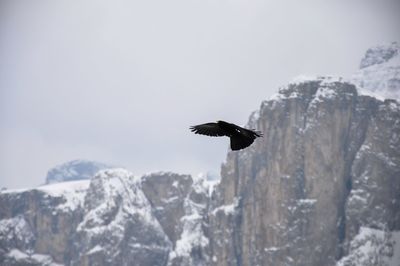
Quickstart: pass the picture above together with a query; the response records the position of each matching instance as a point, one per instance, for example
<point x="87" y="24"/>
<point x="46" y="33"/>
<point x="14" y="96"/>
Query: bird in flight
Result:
<point x="240" y="137"/>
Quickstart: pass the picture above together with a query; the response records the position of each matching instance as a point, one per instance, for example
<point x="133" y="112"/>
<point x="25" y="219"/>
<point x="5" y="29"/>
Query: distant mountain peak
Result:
<point x="74" y="170"/>
<point x="380" y="54"/>
<point x="379" y="74"/>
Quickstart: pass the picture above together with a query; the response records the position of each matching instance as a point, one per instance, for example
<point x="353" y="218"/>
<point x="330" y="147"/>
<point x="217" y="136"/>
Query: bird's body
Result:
<point x="240" y="137"/>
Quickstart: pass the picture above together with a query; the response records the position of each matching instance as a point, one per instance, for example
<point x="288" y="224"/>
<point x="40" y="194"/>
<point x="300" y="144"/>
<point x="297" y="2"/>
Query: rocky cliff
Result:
<point x="322" y="187"/>
<point x="113" y="219"/>
<point x="328" y="166"/>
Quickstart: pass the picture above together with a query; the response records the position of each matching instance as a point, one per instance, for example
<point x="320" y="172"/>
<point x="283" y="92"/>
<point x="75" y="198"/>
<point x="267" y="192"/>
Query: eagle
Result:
<point x="240" y="137"/>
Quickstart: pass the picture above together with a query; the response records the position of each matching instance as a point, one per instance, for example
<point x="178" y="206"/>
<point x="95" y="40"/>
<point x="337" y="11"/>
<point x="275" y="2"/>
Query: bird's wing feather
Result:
<point x="208" y="129"/>
<point x="248" y="132"/>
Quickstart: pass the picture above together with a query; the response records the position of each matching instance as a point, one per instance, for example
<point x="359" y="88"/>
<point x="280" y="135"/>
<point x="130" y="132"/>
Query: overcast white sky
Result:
<point x="121" y="81"/>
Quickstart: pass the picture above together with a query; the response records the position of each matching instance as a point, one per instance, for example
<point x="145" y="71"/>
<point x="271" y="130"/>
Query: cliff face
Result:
<point x="116" y="215"/>
<point x="322" y="187"/>
<point x="113" y="219"/>
<point x="180" y="203"/>
<point x="37" y="226"/>
<point x="328" y="165"/>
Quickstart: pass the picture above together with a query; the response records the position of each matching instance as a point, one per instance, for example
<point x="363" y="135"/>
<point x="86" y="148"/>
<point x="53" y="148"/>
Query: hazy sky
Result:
<point x="121" y="81"/>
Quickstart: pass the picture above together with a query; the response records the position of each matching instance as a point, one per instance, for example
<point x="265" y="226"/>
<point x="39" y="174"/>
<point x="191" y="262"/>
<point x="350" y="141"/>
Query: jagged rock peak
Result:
<point x="310" y="89"/>
<point x="118" y="223"/>
<point x="74" y="170"/>
<point x="110" y="183"/>
<point x="380" y="54"/>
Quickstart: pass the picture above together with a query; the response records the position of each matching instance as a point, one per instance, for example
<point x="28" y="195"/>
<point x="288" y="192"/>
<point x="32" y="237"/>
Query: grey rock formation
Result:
<point x="329" y="164"/>
<point x="38" y="225"/>
<point x="118" y="227"/>
<point x="180" y="203"/>
<point x="113" y="219"/>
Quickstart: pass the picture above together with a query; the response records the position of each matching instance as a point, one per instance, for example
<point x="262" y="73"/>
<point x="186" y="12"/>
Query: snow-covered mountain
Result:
<point x="114" y="218"/>
<point x="321" y="188"/>
<point x="74" y="170"/>
<point x="379" y="74"/>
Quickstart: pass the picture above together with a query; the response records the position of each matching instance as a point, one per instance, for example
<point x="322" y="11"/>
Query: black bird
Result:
<point x="240" y="137"/>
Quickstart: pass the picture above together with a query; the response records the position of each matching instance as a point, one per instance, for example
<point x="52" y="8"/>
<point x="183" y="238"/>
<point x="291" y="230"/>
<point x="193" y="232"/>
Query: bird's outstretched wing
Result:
<point x="209" y="129"/>
<point x="252" y="133"/>
<point x="240" y="137"/>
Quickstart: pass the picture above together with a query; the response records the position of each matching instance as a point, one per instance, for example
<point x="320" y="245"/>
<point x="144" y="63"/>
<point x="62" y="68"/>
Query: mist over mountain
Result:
<point x="322" y="187"/>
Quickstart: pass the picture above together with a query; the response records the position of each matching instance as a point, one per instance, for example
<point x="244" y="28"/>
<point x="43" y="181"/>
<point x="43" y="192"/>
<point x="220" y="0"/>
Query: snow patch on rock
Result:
<point x="72" y="192"/>
<point x="228" y="208"/>
<point x="373" y="247"/>
<point x="18" y="257"/>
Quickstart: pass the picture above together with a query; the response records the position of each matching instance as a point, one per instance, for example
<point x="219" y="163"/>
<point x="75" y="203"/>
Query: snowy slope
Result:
<point x="372" y="247"/>
<point x="71" y="194"/>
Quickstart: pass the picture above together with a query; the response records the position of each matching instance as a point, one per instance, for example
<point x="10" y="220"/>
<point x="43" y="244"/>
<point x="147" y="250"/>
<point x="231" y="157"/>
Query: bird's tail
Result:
<point x="238" y="143"/>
